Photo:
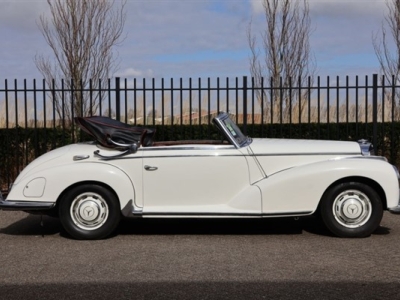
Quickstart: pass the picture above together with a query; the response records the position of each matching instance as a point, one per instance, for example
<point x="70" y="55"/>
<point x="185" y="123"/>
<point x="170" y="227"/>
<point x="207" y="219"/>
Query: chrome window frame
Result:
<point x="219" y="122"/>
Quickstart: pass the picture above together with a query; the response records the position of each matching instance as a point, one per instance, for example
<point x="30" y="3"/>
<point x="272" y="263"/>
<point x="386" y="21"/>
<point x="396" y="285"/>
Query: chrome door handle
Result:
<point x="150" y="168"/>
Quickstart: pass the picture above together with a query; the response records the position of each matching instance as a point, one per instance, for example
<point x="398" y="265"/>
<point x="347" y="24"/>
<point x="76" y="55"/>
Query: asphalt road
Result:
<point x="198" y="259"/>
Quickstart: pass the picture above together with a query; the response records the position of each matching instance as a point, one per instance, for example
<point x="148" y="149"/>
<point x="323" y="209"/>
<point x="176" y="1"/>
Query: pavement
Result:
<point x="198" y="259"/>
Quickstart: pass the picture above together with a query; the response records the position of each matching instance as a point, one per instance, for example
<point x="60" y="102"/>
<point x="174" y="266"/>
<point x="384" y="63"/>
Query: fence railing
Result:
<point x="38" y="116"/>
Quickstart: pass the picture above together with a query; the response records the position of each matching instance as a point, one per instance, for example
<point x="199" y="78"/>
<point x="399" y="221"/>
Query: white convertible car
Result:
<point x="90" y="186"/>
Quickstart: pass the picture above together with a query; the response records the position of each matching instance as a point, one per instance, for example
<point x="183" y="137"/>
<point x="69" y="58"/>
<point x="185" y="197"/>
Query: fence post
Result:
<point x="117" y="99"/>
<point x="245" y="105"/>
<point x="375" y="112"/>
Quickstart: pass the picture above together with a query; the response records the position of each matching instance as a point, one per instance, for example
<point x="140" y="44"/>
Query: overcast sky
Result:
<point x="200" y="38"/>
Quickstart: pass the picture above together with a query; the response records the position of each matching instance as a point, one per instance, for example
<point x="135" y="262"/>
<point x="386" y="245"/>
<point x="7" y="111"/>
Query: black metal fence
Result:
<point x="38" y="116"/>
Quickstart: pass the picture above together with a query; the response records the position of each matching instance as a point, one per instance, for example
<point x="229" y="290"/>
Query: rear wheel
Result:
<point x="89" y="212"/>
<point x="351" y="209"/>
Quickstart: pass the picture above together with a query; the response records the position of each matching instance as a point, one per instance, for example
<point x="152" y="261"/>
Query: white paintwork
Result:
<point x="256" y="171"/>
<point x="300" y="188"/>
<point x="266" y="178"/>
<point x="61" y="171"/>
<point x="276" y="155"/>
<point x="196" y="180"/>
<point x="35" y="188"/>
<point x="295" y="147"/>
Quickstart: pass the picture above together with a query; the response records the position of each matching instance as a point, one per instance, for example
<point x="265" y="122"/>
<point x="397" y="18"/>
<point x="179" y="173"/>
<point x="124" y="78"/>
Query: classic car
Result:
<point x="126" y="173"/>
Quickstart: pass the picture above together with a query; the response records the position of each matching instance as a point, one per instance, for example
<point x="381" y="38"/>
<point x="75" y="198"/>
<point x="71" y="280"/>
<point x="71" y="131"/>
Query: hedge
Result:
<point x="19" y="146"/>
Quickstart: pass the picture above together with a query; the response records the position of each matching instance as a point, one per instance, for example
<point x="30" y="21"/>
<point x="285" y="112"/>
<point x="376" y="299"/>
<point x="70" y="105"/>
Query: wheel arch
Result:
<point x="360" y="179"/>
<point x="94" y="182"/>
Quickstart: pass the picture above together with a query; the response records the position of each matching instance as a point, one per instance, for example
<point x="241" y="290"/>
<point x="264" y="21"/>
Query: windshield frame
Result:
<point x="231" y="131"/>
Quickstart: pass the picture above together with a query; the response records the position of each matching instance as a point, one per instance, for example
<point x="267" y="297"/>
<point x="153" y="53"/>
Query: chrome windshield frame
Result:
<point x="219" y="121"/>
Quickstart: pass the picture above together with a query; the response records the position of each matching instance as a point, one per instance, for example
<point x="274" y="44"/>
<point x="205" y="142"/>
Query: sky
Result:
<point x="199" y="38"/>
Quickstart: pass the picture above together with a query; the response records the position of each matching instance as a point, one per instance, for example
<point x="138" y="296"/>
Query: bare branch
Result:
<point x="285" y="50"/>
<point x="81" y="35"/>
<point x="387" y="39"/>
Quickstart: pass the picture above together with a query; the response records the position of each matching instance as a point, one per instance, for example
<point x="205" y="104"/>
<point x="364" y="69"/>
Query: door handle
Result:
<point x="150" y="168"/>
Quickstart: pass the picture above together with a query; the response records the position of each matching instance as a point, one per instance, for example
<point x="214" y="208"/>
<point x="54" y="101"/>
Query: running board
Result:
<point x="131" y="212"/>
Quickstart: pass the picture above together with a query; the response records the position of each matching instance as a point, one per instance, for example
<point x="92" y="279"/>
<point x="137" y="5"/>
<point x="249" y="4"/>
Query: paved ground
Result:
<point x="198" y="259"/>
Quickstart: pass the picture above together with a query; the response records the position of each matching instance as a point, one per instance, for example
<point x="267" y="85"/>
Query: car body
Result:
<point x="90" y="186"/>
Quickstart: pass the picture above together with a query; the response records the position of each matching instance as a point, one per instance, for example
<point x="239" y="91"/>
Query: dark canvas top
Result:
<point x="103" y="128"/>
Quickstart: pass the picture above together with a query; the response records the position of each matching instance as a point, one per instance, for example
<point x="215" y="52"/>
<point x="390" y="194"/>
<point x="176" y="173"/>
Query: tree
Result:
<point x="81" y="35"/>
<point x="284" y="59"/>
<point x="389" y="61"/>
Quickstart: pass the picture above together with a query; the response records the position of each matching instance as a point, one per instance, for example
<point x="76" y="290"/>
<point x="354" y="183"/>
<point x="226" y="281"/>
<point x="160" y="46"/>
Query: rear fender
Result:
<point x="47" y="185"/>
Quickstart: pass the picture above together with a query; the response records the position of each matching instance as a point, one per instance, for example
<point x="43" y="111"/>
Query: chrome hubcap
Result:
<point x="352" y="208"/>
<point x="89" y="211"/>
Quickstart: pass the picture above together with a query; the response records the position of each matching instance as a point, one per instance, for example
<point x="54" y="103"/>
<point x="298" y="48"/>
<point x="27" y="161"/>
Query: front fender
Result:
<point x="48" y="184"/>
<point x="300" y="189"/>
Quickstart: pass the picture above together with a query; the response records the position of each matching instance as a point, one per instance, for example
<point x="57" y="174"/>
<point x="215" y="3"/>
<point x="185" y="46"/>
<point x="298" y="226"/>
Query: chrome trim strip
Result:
<point x="191" y="214"/>
<point x="307" y="154"/>
<point x="251" y="154"/>
<point x="197" y="147"/>
<point x="180" y="156"/>
<point x="25" y="205"/>
<point x="233" y="155"/>
<point x="230" y="147"/>
<point x="176" y="156"/>
<point x="369" y="157"/>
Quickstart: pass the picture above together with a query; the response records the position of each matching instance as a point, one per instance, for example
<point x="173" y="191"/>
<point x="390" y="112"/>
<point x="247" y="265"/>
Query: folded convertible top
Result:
<point x="103" y="129"/>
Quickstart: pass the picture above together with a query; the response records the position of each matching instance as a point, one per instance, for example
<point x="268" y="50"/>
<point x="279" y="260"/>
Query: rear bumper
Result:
<point x="24" y="205"/>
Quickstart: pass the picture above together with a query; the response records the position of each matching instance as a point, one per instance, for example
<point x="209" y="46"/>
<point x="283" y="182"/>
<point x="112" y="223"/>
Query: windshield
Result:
<point x="234" y="131"/>
<point x="231" y="131"/>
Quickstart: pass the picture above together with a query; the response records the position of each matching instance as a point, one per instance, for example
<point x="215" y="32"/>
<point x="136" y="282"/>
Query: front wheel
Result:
<point x="89" y="212"/>
<point x="351" y="209"/>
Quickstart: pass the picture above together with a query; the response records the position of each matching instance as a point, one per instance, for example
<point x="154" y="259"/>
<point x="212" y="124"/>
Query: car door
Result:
<point x="193" y="179"/>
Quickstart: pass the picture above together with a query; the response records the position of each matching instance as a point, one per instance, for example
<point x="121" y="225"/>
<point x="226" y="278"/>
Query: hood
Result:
<point x="307" y="147"/>
<point x="275" y="155"/>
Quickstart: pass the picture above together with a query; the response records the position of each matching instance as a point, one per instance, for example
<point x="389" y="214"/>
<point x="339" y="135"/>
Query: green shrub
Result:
<point x="19" y="146"/>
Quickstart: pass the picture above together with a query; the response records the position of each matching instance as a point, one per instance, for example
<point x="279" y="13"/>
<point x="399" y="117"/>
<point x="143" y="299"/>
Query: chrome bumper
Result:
<point x="24" y="205"/>
<point x="396" y="210"/>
